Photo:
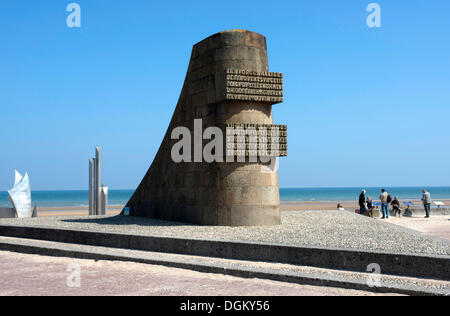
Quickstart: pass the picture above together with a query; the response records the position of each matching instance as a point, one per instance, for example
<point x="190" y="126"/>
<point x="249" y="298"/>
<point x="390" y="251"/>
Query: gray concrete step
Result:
<point x="336" y="240"/>
<point x="240" y="268"/>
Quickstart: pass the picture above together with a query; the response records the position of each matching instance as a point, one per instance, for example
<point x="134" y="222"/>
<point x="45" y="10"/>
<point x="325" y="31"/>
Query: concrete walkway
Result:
<point x="279" y="272"/>
<point x="438" y="226"/>
<point x="24" y="274"/>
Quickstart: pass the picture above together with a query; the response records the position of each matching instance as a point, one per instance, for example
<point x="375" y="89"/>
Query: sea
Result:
<point x="120" y="197"/>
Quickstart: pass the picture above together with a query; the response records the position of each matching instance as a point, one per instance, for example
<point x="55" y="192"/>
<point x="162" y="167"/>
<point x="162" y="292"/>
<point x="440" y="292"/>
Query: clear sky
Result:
<point x="364" y="106"/>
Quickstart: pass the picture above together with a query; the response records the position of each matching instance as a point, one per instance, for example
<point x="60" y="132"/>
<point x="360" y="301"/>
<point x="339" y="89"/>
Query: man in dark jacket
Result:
<point x="362" y="203"/>
<point x="426" y="199"/>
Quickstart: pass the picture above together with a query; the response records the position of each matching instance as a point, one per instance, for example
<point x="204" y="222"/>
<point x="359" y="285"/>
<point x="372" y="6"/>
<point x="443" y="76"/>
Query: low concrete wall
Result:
<point x="227" y="268"/>
<point x="415" y="211"/>
<point x="420" y="211"/>
<point x="7" y="213"/>
<point x="435" y="267"/>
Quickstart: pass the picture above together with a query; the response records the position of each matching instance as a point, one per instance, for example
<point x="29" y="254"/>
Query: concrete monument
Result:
<point x="228" y="85"/>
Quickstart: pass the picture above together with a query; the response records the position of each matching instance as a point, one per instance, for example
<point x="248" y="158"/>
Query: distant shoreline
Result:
<point x="284" y="206"/>
<point x="297" y="203"/>
<point x="300" y="196"/>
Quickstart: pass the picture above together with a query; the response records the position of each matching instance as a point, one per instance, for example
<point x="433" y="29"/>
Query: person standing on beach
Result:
<point x="426" y="199"/>
<point x="384" y="204"/>
<point x="362" y="203"/>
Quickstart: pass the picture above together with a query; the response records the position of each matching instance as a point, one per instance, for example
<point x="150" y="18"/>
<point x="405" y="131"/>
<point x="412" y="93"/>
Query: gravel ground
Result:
<point x="330" y="229"/>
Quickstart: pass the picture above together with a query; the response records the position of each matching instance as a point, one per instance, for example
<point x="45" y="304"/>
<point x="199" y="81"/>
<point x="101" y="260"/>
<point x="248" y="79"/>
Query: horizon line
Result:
<point x="281" y="188"/>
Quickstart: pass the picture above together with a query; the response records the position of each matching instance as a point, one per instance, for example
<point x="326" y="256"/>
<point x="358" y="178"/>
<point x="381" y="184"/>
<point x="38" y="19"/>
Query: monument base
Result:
<point x="7" y="213"/>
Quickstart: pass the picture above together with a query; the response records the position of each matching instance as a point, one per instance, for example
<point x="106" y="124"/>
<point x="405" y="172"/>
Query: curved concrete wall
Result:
<point x="228" y="194"/>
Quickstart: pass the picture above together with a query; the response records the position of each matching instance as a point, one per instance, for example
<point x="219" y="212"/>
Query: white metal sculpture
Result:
<point x="20" y="196"/>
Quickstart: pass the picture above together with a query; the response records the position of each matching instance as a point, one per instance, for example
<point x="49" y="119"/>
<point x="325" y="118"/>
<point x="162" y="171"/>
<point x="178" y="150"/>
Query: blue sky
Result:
<point x="364" y="107"/>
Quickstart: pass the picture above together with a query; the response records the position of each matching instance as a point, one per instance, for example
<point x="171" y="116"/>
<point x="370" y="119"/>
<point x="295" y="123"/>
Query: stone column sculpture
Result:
<point x="98" y="194"/>
<point x="104" y="207"/>
<point x="98" y="180"/>
<point x="91" y="186"/>
<point x="228" y="85"/>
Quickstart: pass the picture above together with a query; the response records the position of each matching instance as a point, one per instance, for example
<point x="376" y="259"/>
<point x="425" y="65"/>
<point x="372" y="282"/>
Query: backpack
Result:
<point x="389" y="199"/>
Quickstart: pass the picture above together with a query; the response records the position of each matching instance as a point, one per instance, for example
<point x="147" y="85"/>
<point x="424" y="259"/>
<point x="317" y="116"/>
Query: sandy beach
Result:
<point x="285" y="206"/>
<point x="348" y="205"/>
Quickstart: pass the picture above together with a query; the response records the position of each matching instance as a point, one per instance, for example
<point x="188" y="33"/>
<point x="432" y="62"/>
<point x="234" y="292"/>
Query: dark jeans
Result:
<point x="427" y="209"/>
<point x="362" y="210"/>
<point x="385" y="210"/>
